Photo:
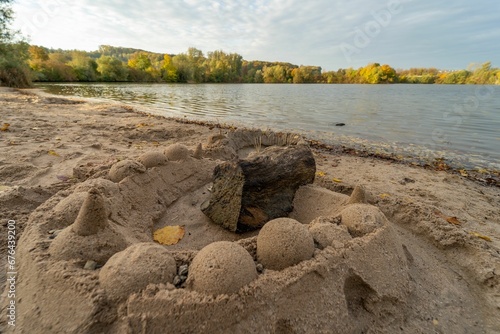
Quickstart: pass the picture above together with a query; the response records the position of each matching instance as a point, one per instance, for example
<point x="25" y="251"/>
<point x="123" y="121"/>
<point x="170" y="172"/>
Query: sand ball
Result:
<point x="125" y="168"/>
<point x="284" y="242"/>
<point x="222" y="267"/>
<point x="327" y="234"/>
<point x="362" y="219"/>
<point x="153" y="159"/>
<point x="132" y="269"/>
<point x="177" y="152"/>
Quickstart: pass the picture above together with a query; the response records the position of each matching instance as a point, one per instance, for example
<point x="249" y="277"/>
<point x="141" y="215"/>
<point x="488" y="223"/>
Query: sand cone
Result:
<point x="358" y="195"/>
<point x="92" y="216"/>
<point x="198" y="152"/>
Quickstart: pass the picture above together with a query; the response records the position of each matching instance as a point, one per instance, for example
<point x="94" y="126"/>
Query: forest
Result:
<point x="117" y="64"/>
<point x="22" y="63"/>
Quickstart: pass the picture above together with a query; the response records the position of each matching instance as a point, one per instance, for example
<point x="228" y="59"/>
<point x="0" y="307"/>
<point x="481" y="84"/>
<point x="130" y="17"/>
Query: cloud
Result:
<point x="420" y="33"/>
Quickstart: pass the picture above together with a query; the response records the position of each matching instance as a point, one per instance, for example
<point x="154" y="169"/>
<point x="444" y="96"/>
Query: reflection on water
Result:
<point x="457" y="122"/>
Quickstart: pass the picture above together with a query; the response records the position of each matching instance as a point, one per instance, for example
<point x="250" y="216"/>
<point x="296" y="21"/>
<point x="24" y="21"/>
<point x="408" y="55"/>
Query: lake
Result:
<point x="455" y="122"/>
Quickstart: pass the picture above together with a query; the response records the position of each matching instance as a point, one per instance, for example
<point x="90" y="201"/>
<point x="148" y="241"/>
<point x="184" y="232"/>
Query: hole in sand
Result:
<point x="358" y="295"/>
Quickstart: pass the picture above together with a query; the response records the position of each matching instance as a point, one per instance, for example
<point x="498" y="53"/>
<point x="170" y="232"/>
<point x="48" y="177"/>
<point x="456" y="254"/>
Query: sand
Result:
<point x="397" y="248"/>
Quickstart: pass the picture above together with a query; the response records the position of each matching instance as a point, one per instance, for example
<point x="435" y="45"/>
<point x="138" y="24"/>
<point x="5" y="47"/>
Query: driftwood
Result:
<point x="248" y="193"/>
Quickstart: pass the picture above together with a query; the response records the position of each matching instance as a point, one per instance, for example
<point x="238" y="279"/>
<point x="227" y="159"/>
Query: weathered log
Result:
<point x="248" y="193"/>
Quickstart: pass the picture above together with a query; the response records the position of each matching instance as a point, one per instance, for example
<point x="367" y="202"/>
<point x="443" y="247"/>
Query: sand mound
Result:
<point x="153" y="158"/>
<point x="125" y="168"/>
<point x="284" y="242"/>
<point x="221" y="268"/>
<point x="134" y="268"/>
<point x="177" y="152"/>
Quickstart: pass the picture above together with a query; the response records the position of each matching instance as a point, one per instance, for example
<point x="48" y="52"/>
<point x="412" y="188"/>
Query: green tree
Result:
<point x="190" y="66"/>
<point x="85" y="68"/>
<point x="14" y="70"/>
<point x="111" y="69"/>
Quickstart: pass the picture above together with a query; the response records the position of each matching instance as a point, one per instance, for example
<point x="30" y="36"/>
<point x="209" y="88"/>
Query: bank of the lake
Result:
<point x="455" y="124"/>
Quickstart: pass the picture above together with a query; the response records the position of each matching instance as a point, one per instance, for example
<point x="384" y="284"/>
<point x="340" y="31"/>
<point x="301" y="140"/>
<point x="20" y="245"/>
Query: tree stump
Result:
<point x="248" y="193"/>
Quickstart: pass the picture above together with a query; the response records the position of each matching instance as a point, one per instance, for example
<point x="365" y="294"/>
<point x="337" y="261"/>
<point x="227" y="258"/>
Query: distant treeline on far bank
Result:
<point x="118" y="64"/>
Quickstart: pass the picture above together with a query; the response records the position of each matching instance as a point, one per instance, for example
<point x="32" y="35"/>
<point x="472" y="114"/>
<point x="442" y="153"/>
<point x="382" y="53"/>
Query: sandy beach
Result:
<point x="431" y="264"/>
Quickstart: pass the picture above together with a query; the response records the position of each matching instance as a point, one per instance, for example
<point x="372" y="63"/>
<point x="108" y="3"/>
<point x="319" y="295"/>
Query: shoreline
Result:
<point x="483" y="176"/>
<point x="55" y="145"/>
<point x="414" y="151"/>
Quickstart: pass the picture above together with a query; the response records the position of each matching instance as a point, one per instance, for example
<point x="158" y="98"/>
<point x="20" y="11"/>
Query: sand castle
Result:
<point x="323" y="268"/>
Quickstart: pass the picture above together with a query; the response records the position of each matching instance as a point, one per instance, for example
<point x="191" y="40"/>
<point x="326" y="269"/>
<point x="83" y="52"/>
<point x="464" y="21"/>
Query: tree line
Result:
<point x="22" y="63"/>
<point x="116" y="64"/>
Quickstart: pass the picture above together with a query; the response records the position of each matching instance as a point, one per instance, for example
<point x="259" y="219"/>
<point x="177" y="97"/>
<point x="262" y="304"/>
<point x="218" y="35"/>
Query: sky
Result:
<point x="328" y="33"/>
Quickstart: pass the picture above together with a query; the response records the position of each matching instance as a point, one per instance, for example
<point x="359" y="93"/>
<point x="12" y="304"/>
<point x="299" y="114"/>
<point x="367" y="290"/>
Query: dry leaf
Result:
<point x="336" y="180"/>
<point x="54" y="153"/>
<point x="169" y="235"/>
<point x="477" y="235"/>
<point x="141" y="125"/>
<point x="5" y="127"/>
<point x="384" y="195"/>
<point x="463" y="172"/>
<point x="451" y="220"/>
<point x="320" y="174"/>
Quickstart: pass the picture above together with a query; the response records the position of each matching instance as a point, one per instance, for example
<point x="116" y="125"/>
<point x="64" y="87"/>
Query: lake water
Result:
<point x="458" y="123"/>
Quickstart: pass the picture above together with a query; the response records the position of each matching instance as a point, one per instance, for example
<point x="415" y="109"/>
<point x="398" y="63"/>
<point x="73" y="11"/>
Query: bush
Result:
<point x="14" y="71"/>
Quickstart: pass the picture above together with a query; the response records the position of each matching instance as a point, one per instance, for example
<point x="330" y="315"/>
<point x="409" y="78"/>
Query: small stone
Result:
<point x="183" y="270"/>
<point x="183" y="278"/>
<point x="90" y="265"/>
<point x="177" y="280"/>
<point x="54" y="233"/>
<point x="259" y="267"/>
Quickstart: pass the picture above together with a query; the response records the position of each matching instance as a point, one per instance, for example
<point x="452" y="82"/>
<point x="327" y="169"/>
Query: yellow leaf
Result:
<point x="451" y="220"/>
<point x="463" y="172"/>
<point x="169" y="235"/>
<point x="320" y="174"/>
<point x="54" y="153"/>
<point x="141" y="125"/>
<point x="384" y="195"/>
<point x="337" y="180"/>
<point x="477" y="235"/>
<point x="5" y="127"/>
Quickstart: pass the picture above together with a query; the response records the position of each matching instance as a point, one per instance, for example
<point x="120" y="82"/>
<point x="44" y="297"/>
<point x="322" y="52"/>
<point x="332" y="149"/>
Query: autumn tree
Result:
<point x="223" y="67"/>
<point x="168" y="70"/>
<point x="14" y="70"/>
<point x="306" y="74"/>
<point x="275" y="74"/>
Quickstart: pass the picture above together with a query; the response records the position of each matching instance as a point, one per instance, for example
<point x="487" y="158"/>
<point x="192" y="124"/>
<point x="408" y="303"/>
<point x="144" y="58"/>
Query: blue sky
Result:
<point x="329" y="33"/>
